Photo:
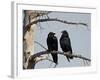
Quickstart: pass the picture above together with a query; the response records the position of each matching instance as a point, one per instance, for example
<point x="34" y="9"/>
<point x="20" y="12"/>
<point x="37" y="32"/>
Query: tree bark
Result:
<point x="28" y="35"/>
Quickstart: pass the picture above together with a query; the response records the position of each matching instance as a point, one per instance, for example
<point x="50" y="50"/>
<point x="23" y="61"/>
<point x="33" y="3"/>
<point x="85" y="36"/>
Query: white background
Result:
<point x="5" y="39"/>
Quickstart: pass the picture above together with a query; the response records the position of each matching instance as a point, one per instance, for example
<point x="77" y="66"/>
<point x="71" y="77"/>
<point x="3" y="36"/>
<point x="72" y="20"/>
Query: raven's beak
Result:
<point x="62" y="31"/>
<point x="54" y="33"/>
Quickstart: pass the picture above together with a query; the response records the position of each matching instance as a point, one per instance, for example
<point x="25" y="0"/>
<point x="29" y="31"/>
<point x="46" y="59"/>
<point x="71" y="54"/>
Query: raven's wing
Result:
<point x="70" y="48"/>
<point x="49" y="44"/>
<point x="69" y="44"/>
<point x="52" y="43"/>
<point x="55" y="43"/>
<point x="65" y="44"/>
<point x="55" y="47"/>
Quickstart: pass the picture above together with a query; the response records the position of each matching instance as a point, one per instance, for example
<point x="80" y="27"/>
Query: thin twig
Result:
<point x="84" y="62"/>
<point x="87" y="63"/>
<point x="40" y="45"/>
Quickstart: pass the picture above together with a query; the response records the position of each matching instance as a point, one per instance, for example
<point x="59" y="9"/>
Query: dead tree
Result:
<point x="30" y="21"/>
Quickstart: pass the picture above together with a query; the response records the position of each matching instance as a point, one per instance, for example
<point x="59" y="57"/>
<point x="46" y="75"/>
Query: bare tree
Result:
<point x="30" y="21"/>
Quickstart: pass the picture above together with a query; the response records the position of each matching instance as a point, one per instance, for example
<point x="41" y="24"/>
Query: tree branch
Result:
<point x="40" y="45"/>
<point x="59" y="52"/>
<point x="33" y="60"/>
<point x="59" y="20"/>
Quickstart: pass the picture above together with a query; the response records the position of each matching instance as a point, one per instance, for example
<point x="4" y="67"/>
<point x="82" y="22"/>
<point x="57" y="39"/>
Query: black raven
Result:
<point x="66" y="44"/>
<point x="52" y="44"/>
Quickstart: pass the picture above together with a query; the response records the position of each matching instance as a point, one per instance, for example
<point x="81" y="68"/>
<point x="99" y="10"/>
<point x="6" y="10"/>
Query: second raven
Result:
<point x="66" y="44"/>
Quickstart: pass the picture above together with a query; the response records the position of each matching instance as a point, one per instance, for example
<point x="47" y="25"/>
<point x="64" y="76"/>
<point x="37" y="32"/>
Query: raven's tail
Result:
<point x="55" y="58"/>
<point x="69" y="57"/>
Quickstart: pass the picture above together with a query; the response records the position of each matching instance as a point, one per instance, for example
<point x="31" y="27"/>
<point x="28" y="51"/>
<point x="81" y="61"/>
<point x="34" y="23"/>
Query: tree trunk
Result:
<point x="28" y="37"/>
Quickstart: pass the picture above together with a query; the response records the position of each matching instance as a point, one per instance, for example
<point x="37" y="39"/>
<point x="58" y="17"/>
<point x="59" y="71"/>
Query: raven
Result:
<point x="52" y="44"/>
<point x="66" y="44"/>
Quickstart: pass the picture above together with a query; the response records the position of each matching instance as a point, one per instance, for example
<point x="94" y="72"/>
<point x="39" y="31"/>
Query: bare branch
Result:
<point x="59" y="52"/>
<point x="32" y="57"/>
<point x="40" y="45"/>
<point x="59" y="20"/>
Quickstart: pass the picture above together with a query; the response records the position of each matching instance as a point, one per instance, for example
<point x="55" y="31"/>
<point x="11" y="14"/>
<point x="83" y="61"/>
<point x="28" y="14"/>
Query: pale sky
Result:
<point x="80" y="37"/>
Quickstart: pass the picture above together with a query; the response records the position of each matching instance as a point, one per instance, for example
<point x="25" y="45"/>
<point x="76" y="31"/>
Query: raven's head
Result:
<point x="65" y="33"/>
<point x="51" y="34"/>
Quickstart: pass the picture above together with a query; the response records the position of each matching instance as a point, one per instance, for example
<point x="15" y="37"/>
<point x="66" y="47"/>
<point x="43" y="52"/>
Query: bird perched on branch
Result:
<point x="52" y="44"/>
<point x="66" y="44"/>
